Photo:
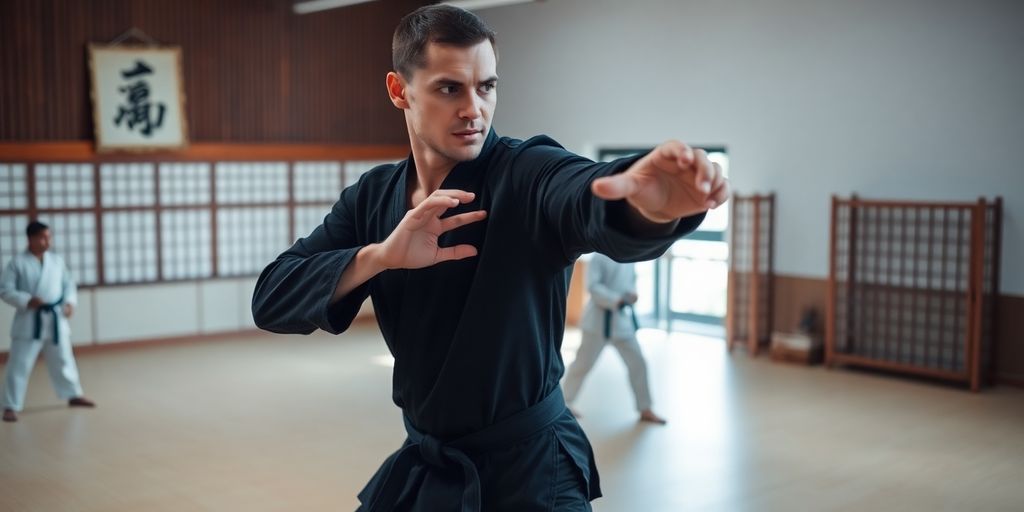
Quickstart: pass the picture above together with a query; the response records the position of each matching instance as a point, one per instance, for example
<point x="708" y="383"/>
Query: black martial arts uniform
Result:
<point x="476" y="341"/>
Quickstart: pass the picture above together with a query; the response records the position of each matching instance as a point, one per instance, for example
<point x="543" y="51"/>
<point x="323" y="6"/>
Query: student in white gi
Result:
<point x="609" y="318"/>
<point x="40" y="288"/>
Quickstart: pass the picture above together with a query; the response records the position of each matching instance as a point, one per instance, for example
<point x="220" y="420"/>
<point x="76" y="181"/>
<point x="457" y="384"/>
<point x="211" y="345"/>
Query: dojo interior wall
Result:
<point x="914" y="99"/>
<point x="254" y="73"/>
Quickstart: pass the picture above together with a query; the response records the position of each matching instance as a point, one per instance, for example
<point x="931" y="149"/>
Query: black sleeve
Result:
<point x="293" y="293"/>
<point x="561" y="203"/>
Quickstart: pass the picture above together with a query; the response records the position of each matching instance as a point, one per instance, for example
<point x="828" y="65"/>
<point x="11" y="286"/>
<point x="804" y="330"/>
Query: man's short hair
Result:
<point x="438" y="23"/>
<point x="34" y="228"/>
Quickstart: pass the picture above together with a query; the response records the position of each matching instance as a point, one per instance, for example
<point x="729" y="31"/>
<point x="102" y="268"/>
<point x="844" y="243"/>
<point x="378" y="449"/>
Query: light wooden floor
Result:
<point x="300" y="423"/>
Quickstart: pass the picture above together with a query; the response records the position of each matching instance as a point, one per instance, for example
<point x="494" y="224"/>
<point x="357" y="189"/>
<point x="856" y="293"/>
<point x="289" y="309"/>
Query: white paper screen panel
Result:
<point x="64" y="186"/>
<point x="129" y="246"/>
<point x="13" y="187"/>
<point x="317" y="181"/>
<point x="74" y="238"/>
<point x="248" y="238"/>
<point x="184" y="184"/>
<point x="307" y="218"/>
<point x="185" y="241"/>
<point x="12" y="236"/>
<point x="130" y="184"/>
<point x="252" y="182"/>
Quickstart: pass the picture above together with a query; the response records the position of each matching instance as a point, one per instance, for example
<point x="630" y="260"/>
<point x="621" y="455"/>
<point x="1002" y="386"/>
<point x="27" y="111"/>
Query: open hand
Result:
<point x="413" y="244"/>
<point x="669" y="183"/>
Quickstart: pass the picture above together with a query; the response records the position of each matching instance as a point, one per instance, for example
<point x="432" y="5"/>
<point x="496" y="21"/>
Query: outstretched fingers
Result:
<point x="719" y="190"/>
<point x="705" y="173"/>
<point x="462" y="219"/>
<point x="439" y="201"/>
<point x="673" y="157"/>
<point x="456" y="252"/>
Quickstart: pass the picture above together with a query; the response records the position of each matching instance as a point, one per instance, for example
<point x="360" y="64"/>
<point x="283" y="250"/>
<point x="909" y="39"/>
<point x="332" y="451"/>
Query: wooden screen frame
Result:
<point x="975" y="373"/>
<point x="753" y="341"/>
<point x="32" y="154"/>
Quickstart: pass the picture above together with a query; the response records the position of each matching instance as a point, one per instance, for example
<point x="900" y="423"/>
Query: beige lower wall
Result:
<point x="1010" y="339"/>
<point x="117" y="314"/>
<point x="132" y="313"/>
<point x="793" y="294"/>
<point x="128" y="313"/>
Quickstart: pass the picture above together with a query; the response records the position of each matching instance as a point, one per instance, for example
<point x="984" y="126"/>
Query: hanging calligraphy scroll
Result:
<point x="138" y="98"/>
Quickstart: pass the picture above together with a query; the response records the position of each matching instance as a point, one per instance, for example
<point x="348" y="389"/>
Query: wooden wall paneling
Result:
<point x="254" y="71"/>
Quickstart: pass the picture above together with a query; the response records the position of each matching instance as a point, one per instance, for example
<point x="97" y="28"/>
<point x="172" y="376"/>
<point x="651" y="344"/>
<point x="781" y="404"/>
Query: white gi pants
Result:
<point x="591" y="345"/>
<point x="60" y="363"/>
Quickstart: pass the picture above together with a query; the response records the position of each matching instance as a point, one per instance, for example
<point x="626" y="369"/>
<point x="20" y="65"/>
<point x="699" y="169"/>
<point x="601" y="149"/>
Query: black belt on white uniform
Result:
<point x="608" y="320"/>
<point x="52" y="309"/>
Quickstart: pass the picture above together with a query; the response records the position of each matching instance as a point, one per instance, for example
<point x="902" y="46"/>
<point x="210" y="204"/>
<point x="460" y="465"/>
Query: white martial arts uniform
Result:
<point x="608" y="282"/>
<point x="23" y="278"/>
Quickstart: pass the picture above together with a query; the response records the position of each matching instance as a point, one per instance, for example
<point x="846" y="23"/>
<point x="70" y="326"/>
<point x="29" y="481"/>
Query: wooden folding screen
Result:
<point x="913" y="287"/>
<point x="749" y="311"/>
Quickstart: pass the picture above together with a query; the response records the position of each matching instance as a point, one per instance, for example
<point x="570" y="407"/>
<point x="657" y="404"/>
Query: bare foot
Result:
<point x="81" y="401"/>
<point x="648" y="416"/>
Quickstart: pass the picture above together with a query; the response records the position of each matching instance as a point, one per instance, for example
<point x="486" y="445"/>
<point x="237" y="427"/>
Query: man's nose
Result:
<point x="470" y="108"/>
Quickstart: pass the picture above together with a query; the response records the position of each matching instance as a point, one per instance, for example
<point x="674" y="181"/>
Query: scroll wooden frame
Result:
<point x="102" y="146"/>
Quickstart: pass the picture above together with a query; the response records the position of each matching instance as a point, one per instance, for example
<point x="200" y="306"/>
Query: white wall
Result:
<point x="139" y="312"/>
<point x="151" y="311"/>
<point x="902" y="99"/>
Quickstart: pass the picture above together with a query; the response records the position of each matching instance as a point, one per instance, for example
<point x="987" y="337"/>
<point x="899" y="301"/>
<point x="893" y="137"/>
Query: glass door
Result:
<point x="685" y="289"/>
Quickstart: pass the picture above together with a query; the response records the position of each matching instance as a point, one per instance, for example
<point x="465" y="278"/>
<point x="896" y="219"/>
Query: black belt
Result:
<point x="608" y="320"/>
<point x="52" y="309"/>
<point x="391" y="483"/>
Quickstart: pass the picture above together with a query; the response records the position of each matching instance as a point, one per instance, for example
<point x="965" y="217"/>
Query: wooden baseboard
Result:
<point x="794" y="294"/>
<point x="1017" y="382"/>
<point x="156" y="342"/>
<point x="175" y="340"/>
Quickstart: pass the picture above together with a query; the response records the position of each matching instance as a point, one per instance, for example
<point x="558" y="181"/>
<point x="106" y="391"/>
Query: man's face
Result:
<point x="40" y="242"/>
<point x="449" y="102"/>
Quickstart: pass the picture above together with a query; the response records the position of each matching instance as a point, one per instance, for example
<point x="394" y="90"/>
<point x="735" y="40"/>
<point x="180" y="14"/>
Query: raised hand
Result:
<point x="669" y="183"/>
<point x="413" y="244"/>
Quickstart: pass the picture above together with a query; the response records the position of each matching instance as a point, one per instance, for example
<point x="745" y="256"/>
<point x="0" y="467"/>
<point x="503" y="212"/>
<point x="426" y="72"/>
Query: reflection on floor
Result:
<point x="300" y="423"/>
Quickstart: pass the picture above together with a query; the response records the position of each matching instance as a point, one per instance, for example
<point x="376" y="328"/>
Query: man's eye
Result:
<point x="448" y="89"/>
<point x="487" y="87"/>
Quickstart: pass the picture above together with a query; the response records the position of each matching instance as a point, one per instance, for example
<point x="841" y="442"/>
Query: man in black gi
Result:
<point x="466" y="249"/>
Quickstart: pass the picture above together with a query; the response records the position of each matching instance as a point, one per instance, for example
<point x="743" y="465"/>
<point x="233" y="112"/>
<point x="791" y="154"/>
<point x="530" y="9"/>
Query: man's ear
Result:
<point x="396" y="90"/>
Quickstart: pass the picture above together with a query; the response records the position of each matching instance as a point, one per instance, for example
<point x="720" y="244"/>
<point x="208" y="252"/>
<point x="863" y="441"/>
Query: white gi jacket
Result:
<point x="25" y="277"/>
<point x="607" y="282"/>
